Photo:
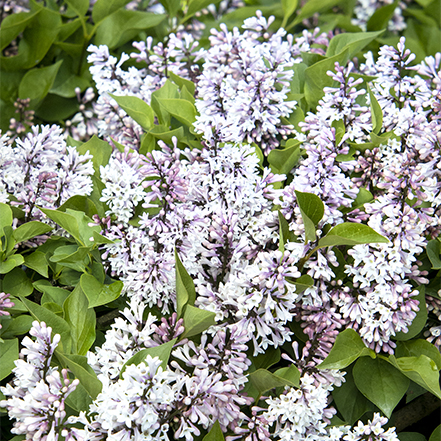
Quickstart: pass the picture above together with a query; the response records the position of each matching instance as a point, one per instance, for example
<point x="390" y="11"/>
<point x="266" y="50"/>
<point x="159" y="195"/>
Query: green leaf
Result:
<point x="316" y="79"/>
<point x="436" y="434"/>
<point x="58" y="325"/>
<point x="18" y="326"/>
<point x="380" y="18"/>
<point x="77" y="364"/>
<point x="79" y="6"/>
<point x="353" y="42"/>
<point x="289" y="6"/>
<point x="380" y="383"/>
<point x="168" y="91"/>
<point x="79" y="203"/>
<point x="10" y="263"/>
<point x="64" y="220"/>
<point x="411" y="436"/>
<point x="312" y="210"/>
<point x="97" y="293"/>
<point x="303" y="282"/>
<point x="215" y="433"/>
<point x="37" y="82"/>
<point x="8" y="354"/>
<point x="162" y="352"/>
<point x="265" y="360"/>
<point x="29" y="230"/>
<point x="103" y="8"/>
<point x="72" y="256"/>
<point x="37" y="261"/>
<point x="99" y="149"/>
<point x="17" y="283"/>
<point x="124" y="25"/>
<point x="264" y="380"/>
<point x="81" y="319"/>
<point x="351" y="403"/>
<point x="433" y="250"/>
<point x="137" y="109"/>
<point x="182" y="110"/>
<point x="285" y="234"/>
<point x="347" y="348"/>
<point x="79" y="399"/>
<point x="376" y="113"/>
<point x="290" y="373"/>
<point x="312" y="7"/>
<point x="196" y="320"/>
<point x="86" y="231"/>
<point x="351" y="234"/>
<point x="182" y="82"/>
<point x="5" y="217"/>
<point x="13" y="25"/>
<point x="283" y="161"/>
<point x="185" y="290"/>
<point x="415" y="348"/>
<point x="419" y="321"/>
<point x="171" y="6"/>
<point x="422" y="370"/>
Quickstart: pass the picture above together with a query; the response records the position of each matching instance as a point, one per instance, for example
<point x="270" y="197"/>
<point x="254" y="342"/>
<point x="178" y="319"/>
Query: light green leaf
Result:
<point x="182" y="110"/>
<point x="81" y="319"/>
<point x="347" y="348"/>
<point x="285" y="234"/>
<point x="5" y="217"/>
<point x="99" y="149"/>
<point x="97" y="293"/>
<point x="17" y="283"/>
<point x="18" y="326"/>
<point x="168" y="91"/>
<point x="77" y="364"/>
<point x="289" y="6"/>
<point x="215" y="433"/>
<point x="58" y="325"/>
<point x="162" y="352"/>
<point x="312" y="210"/>
<point x="51" y="293"/>
<point x="8" y="354"/>
<point x="196" y="320"/>
<point x="313" y="6"/>
<point x="182" y="82"/>
<point x="85" y="230"/>
<point x="103" y="8"/>
<point x="351" y="234"/>
<point x="353" y="42"/>
<point x="10" y="263"/>
<point x="436" y="434"/>
<point x="79" y="6"/>
<point x="79" y="399"/>
<point x="185" y="290"/>
<point x="422" y="370"/>
<point x="376" y="113"/>
<point x="380" y="383"/>
<point x="37" y="82"/>
<point x="291" y="374"/>
<point x="195" y="6"/>
<point x="72" y="256"/>
<point x="64" y="220"/>
<point x="283" y="161"/>
<point x="29" y="230"/>
<point x="37" y="261"/>
<point x="137" y="109"/>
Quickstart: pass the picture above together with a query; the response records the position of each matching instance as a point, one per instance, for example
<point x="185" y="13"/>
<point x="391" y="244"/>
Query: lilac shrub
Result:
<point x="231" y="263"/>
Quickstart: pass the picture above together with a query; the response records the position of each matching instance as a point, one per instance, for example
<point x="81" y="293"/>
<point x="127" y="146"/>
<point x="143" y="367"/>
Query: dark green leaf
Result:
<point x="314" y="6"/>
<point x="215" y="433"/>
<point x="79" y="6"/>
<point x="291" y="374"/>
<point x="81" y="319"/>
<point x="77" y="364"/>
<point x="18" y="326"/>
<point x="185" y="290"/>
<point x="8" y="354"/>
<point x="415" y="348"/>
<point x="168" y="91"/>
<point x="380" y="383"/>
<point x="433" y="250"/>
<point x="97" y="293"/>
<point x="411" y="436"/>
<point x="380" y="18"/>
<point x="265" y="359"/>
<point x="79" y="399"/>
<point x="376" y="112"/>
<point x="17" y="283"/>
<point x="264" y="380"/>
<point x="137" y="109"/>
<point x="13" y="25"/>
<point x="351" y="234"/>
<point x="162" y="352"/>
<point x="289" y="6"/>
<point x="347" y="348"/>
<point x="29" y="230"/>
<point x="303" y="282"/>
<point x="436" y="434"/>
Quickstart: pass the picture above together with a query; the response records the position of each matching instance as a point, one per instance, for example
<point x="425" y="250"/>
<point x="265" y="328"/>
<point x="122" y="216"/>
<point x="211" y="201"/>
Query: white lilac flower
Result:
<point x="364" y="9"/>
<point x="41" y="170"/>
<point x="38" y="391"/>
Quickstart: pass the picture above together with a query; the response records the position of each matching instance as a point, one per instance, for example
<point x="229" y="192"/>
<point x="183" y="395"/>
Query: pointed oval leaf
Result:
<point x="185" y="290"/>
<point x="197" y="320"/>
<point x="351" y="234"/>
<point x="215" y="433"/>
<point x="137" y="109"/>
<point x="29" y="230"/>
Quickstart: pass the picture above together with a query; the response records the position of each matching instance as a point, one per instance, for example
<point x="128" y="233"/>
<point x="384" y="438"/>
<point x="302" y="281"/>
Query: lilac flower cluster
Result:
<point x="42" y="170"/>
<point x="5" y="303"/>
<point x="38" y="392"/>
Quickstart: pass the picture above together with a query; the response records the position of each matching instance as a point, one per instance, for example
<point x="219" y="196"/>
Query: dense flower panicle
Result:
<point x="38" y="391"/>
<point x="364" y="9"/>
<point x="41" y="170"/>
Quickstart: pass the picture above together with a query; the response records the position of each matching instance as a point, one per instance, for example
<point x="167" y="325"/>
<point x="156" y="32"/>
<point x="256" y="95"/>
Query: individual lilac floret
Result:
<point x="41" y="170"/>
<point x="38" y="391"/>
